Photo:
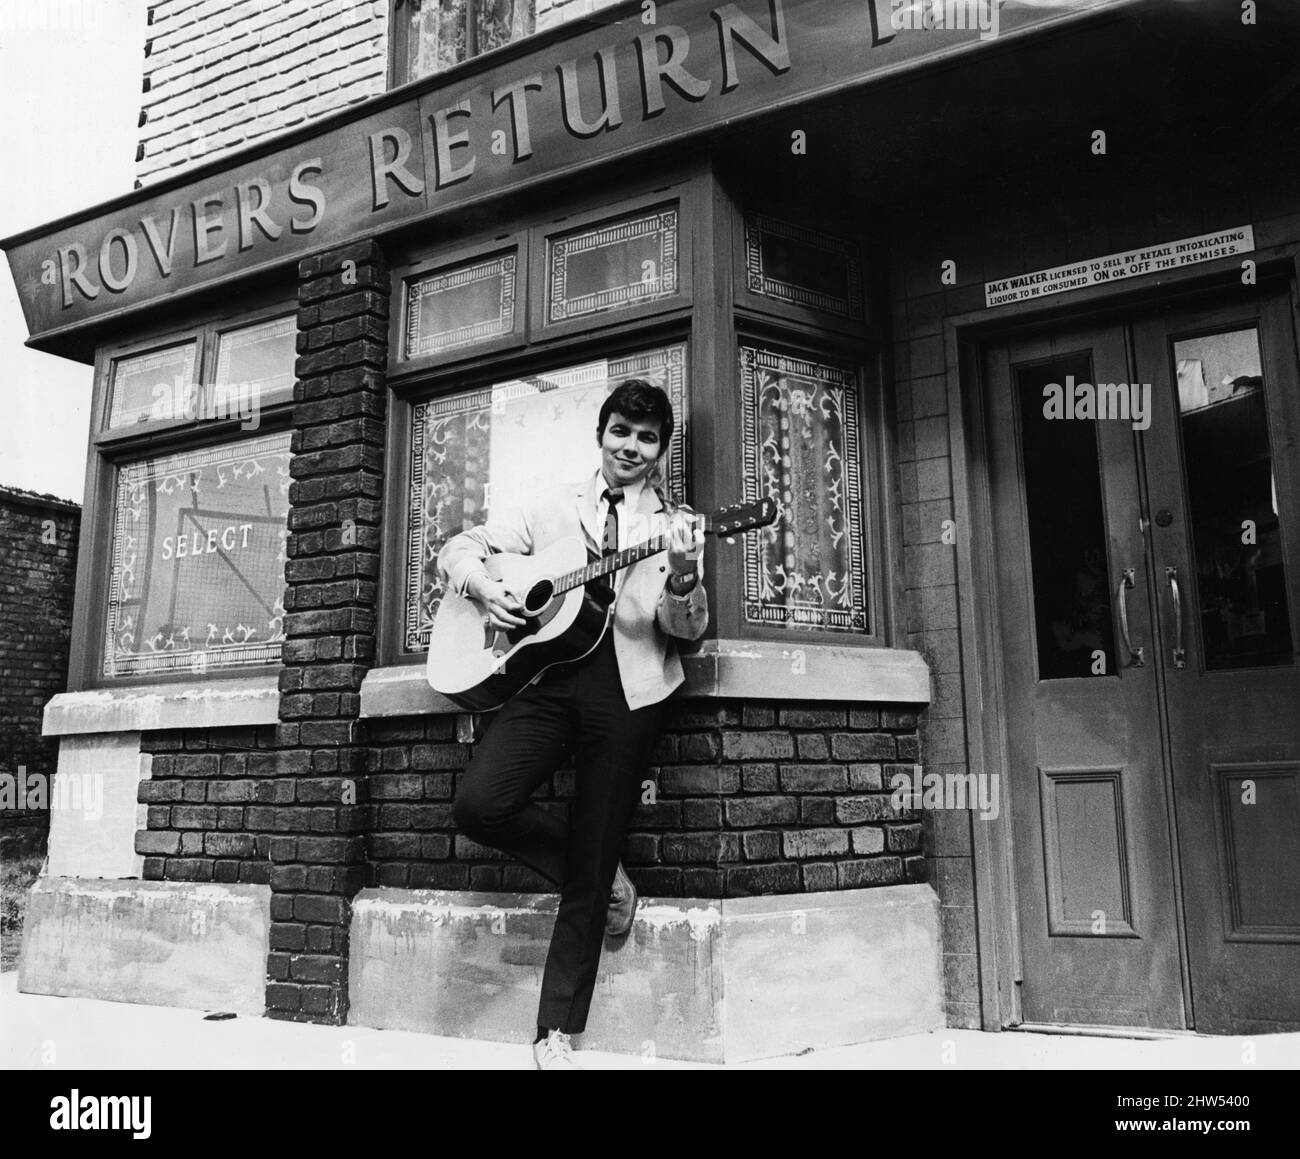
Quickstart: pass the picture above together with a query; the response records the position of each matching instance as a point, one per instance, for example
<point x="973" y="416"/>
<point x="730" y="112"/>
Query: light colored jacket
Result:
<point x="646" y="614"/>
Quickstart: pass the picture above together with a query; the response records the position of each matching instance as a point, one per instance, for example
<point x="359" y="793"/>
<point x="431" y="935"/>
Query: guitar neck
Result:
<point x="618" y="560"/>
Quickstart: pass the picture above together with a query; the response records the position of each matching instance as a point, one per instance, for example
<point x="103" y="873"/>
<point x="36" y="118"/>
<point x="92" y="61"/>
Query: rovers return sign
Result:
<point x="647" y="73"/>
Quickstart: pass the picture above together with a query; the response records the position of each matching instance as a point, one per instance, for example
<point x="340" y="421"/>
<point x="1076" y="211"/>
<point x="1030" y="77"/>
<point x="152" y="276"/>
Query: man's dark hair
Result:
<point x="639" y="400"/>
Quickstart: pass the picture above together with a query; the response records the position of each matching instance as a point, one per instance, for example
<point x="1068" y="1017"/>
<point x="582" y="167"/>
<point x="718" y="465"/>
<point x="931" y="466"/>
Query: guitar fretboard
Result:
<point x="618" y="560"/>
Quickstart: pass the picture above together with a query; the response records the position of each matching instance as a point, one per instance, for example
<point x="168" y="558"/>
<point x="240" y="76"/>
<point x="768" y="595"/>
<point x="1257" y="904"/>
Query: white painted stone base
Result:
<point x="713" y="981"/>
<point x="94" y="813"/>
<point x="163" y="943"/>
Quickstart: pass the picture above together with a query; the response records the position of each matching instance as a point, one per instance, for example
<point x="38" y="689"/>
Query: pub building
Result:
<point x="994" y="727"/>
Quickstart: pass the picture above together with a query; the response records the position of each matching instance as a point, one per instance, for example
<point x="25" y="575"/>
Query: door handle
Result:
<point x="1126" y="581"/>
<point x="1180" y="653"/>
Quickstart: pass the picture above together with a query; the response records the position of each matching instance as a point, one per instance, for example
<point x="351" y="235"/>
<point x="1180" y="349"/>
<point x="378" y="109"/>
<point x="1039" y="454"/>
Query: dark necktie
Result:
<point x="609" y="542"/>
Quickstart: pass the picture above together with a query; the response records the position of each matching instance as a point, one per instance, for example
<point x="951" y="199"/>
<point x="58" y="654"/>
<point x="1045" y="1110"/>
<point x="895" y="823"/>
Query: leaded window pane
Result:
<point x="198" y="555"/>
<point x="612" y="265"/>
<point x="442" y="33"/>
<point x="460" y="306"/>
<point x="802" y="266"/>
<point x="801" y="448"/>
<point x="255" y="366"/>
<point x="154" y="387"/>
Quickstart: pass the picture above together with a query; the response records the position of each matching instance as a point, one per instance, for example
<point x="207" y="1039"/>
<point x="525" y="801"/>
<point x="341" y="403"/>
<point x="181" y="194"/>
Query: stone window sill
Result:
<point x="248" y="700"/>
<point x="761" y="670"/>
<point x="730" y="669"/>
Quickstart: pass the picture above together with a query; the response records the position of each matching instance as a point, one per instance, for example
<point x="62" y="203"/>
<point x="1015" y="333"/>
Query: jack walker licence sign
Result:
<point x="1171" y="255"/>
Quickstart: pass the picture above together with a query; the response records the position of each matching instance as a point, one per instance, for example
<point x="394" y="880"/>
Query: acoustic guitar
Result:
<point x="566" y="614"/>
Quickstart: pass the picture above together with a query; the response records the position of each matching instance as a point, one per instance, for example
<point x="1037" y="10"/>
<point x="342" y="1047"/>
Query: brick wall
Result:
<point x="930" y="577"/>
<point x="331" y="576"/>
<point x="221" y="74"/>
<point x="745" y="798"/>
<point x="212" y="805"/>
<point x="38" y="564"/>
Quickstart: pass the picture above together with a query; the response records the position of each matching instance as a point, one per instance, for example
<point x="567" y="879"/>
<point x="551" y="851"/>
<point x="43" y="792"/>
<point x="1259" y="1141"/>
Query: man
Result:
<point x="607" y="709"/>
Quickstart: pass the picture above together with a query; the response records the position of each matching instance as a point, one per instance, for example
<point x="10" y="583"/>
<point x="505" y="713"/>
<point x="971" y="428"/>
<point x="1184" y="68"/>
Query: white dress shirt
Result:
<point x="631" y="498"/>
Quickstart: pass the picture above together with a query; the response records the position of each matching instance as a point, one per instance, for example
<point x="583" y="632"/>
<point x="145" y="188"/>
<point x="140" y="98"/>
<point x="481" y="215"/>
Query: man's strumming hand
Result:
<point x="500" y="608"/>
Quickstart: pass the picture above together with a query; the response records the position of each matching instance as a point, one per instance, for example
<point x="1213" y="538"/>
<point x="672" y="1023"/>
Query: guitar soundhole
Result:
<point x="539" y="595"/>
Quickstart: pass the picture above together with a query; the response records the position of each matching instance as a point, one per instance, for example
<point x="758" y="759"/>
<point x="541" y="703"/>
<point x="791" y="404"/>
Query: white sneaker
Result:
<point x="555" y="1053"/>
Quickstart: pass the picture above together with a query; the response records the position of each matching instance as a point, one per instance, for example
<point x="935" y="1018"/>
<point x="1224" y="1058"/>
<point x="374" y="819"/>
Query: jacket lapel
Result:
<point x="586" y="502"/>
<point x="649" y="506"/>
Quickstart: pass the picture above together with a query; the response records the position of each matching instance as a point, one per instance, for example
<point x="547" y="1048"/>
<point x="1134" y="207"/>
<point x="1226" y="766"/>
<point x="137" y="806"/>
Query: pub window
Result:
<point x="196" y="576"/>
<point x="193" y="494"/>
<point x="255" y="362"/>
<point x="464" y="304"/>
<point x="611" y="265"/>
<point x="154" y="386"/>
<point x="802" y="273"/>
<point x="803" y="448"/>
<point x="476" y="451"/>
<point x="430" y="36"/>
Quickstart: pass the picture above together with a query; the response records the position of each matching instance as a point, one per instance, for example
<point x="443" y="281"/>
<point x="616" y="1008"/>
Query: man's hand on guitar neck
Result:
<point x="685" y="543"/>
<point x="499" y="606"/>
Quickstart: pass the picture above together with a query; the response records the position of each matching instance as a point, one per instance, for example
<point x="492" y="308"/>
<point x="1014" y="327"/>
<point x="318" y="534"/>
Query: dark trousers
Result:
<point x="577" y="708"/>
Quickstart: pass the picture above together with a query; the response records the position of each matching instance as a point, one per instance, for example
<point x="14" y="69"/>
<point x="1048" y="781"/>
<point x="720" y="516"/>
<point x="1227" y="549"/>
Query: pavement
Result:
<point x="40" y="1032"/>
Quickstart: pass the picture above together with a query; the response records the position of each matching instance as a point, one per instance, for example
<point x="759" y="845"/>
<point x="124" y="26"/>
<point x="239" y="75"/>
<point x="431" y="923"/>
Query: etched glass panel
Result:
<point x="609" y="266"/>
<point x="256" y="362"/>
<point x="460" y="306"/>
<point x="802" y="266"/>
<point x="501" y="22"/>
<point x="442" y="33"/>
<point x="801" y="448"/>
<point x="436" y="36"/>
<point x="198" y="554"/>
<point x="154" y="387"/>
<point x="1232" y="501"/>
<point x="485" y="450"/>
<point x="1067" y="527"/>
<point x="553" y="12"/>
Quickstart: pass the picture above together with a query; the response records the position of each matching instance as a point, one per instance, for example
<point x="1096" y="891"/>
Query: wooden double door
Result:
<point x="1145" y="492"/>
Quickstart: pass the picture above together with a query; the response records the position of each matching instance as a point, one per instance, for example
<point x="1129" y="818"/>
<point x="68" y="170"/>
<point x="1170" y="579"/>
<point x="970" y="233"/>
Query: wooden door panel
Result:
<point x="1089" y="887"/>
<point x="1092" y="863"/>
<point x="1257" y="815"/>
<point x="1221" y="466"/>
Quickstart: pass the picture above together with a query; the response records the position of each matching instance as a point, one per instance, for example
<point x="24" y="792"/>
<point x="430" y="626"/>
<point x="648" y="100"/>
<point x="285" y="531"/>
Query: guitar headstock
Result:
<point x="741" y="517"/>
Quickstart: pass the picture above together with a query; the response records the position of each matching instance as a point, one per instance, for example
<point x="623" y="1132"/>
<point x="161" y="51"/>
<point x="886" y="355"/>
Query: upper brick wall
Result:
<point x="221" y="74"/>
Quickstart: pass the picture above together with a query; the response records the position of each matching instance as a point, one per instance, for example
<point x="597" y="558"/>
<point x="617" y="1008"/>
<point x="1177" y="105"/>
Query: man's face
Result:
<point x="628" y="449"/>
